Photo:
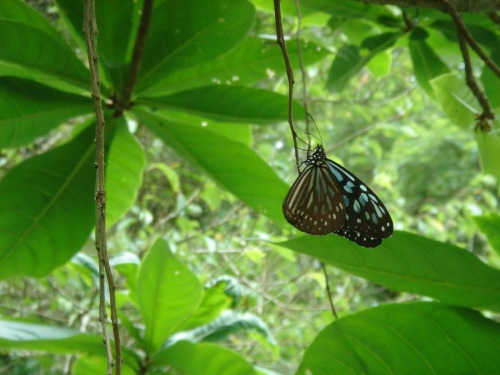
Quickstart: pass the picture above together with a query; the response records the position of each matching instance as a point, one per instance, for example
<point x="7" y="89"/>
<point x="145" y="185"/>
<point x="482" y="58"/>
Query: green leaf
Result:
<point x="167" y="292"/>
<point x="124" y="167"/>
<point x="117" y="24"/>
<point x="215" y="300"/>
<point x="203" y="359"/>
<point x="16" y="10"/>
<point x="29" y="110"/>
<point x="380" y="65"/>
<point x="246" y="176"/>
<point x="414" y="264"/>
<point x="187" y="33"/>
<point x="412" y="338"/>
<point x="127" y="264"/>
<point x="56" y="340"/>
<point x="96" y="365"/>
<point x="348" y="62"/>
<point x="170" y="174"/>
<point x="426" y="63"/>
<point x="490" y="225"/>
<point x="489" y="144"/>
<point x="30" y="52"/>
<point x="228" y="323"/>
<point x="47" y="208"/>
<point x="50" y="339"/>
<point x="491" y="81"/>
<point x="349" y="9"/>
<point x="457" y="101"/>
<point x="228" y="103"/>
<point x="231" y="322"/>
<point x="253" y="60"/>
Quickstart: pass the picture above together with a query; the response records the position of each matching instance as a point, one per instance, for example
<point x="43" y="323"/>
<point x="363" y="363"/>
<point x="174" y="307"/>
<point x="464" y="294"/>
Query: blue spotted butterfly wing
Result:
<point x="314" y="203"/>
<point x="367" y="220"/>
<point x="327" y="198"/>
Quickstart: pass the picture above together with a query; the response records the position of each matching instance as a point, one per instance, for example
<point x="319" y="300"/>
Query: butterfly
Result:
<point x="327" y="198"/>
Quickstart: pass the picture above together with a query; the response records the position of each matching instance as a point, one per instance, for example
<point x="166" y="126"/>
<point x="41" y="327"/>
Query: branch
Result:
<point x="124" y="102"/>
<point x="464" y="37"/>
<point x="462" y="30"/>
<point x="463" y="6"/>
<point x="90" y="32"/>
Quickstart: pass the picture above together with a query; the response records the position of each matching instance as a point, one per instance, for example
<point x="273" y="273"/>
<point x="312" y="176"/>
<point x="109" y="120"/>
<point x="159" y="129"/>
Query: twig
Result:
<point x="471" y="81"/>
<point x="462" y="29"/>
<point x="465" y="37"/>
<point x="280" y="39"/>
<point x="90" y="31"/>
<point x="328" y="291"/>
<point x="302" y="70"/>
<point x="135" y="65"/>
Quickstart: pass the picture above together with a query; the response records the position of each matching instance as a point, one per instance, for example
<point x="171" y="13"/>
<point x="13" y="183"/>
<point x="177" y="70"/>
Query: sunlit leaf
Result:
<point x="414" y="264"/>
<point x="203" y="359"/>
<point x="167" y="292"/>
<point x="413" y="338"/>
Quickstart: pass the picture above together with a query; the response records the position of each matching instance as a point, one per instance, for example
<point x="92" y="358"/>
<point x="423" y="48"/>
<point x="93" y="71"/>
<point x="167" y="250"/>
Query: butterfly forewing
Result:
<point x="314" y="203"/>
<point x="367" y="220"/>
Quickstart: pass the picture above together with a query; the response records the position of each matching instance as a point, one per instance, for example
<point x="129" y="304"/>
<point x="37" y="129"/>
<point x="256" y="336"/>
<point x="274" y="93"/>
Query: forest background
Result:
<point x="199" y="156"/>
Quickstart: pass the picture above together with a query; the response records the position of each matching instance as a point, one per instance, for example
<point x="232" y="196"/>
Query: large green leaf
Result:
<point x="50" y="339"/>
<point x="456" y="99"/>
<point x="349" y="59"/>
<point x="96" y="365"/>
<point x="489" y="144"/>
<point x="350" y="9"/>
<point x="30" y="52"/>
<point x="203" y="359"/>
<point x="19" y="11"/>
<point x="414" y="264"/>
<point x="167" y="293"/>
<point x="253" y="60"/>
<point x="491" y="81"/>
<point x="426" y="63"/>
<point x="124" y="166"/>
<point x="490" y="226"/>
<point x="29" y="110"/>
<point x="215" y="300"/>
<point x="47" y="208"/>
<point x="187" y="33"/>
<point x="53" y="339"/>
<point x="231" y="164"/>
<point x="413" y="338"/>
<point x="228" y="103"/>
<point x="116" y="22"/>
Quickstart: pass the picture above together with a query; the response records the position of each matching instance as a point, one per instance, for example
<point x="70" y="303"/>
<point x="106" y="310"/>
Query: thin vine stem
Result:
<point x="328" y="291"/>
<point x="305" y="104"/>
<point x="90" y="32"/>
<point x="280" y="39"/>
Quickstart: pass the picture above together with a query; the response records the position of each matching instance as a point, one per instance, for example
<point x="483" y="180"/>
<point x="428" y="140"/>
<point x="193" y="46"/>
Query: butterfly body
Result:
<point x="327" y="198"/>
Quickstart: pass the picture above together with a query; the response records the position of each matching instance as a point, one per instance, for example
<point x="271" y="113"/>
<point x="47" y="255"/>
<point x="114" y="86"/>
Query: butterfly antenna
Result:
<point x="320" y="139"/>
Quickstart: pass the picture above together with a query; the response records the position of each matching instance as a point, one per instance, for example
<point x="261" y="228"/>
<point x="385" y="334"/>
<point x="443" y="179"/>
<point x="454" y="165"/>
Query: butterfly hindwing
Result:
<point x="366" y="215"/>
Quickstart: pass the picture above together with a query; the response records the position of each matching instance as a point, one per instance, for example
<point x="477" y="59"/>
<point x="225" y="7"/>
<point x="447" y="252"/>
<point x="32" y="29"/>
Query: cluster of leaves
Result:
<point x="206" y="75"/>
